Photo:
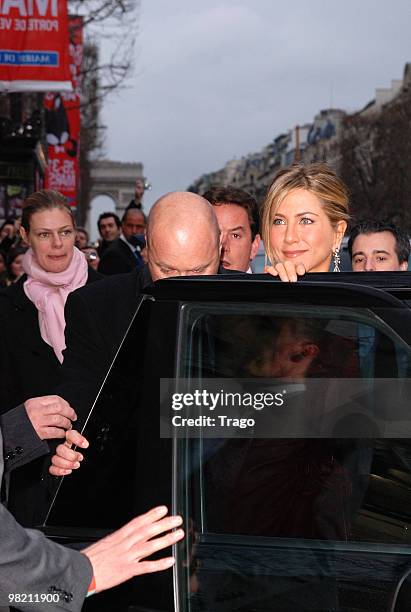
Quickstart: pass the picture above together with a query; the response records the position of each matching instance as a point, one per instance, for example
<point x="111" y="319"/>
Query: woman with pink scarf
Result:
<point x="32" y="325"/>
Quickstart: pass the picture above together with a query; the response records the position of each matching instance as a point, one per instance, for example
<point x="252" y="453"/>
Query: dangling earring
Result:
<point x="336" y="259"/>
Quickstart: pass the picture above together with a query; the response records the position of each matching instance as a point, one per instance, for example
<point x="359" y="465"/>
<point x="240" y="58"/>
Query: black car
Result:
<point x="305" y="505"/>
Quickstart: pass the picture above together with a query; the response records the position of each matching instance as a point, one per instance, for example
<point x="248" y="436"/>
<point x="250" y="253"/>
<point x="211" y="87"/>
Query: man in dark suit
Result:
<point x="31" y="565"/>
<point x="109" y="227"/>
<point x="123" y="254"/>
<point x="183" y="239"/>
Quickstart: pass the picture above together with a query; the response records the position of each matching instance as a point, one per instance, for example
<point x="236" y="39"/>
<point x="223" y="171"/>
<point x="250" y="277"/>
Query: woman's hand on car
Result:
<point x="65" y="459"/>
<point x="287" y="270"/>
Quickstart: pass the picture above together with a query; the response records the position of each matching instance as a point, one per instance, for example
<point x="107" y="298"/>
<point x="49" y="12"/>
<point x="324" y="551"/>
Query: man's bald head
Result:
<point x="183" y="236"/>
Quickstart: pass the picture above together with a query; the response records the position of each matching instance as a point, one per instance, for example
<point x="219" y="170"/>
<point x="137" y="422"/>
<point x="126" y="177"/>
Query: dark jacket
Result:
<point x="118" y="258"/>
<point x="29" y="368"/>
<point x="97" y="317"/>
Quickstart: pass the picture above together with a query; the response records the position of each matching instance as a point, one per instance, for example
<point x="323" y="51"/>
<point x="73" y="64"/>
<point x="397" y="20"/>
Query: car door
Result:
<point x="127" y="468"/>
<point x="347" y="546"/>
<point x="310" y="509"/>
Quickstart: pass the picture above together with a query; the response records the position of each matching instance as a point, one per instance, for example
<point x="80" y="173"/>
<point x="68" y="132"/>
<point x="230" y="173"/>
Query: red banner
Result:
<point x="34" y="45"/>
<point x="63" y="125"/>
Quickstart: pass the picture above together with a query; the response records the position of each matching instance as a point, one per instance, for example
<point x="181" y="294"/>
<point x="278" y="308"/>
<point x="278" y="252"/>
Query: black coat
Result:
<point x="118" y="258"/>
<point x="97" y="317"/>
<point x="29" y="368"/>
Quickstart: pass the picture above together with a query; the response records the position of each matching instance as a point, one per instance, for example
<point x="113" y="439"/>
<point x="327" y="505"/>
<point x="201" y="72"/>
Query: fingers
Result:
<point x="74" y="437"/>
<point x="147" y="526"/>
<point x="287" y="270"/>
<point x="116" y="558"/>
<point x="61" y="466"/>
<point x="51" y="404"/>
<point x="49" y="414"/>
<point x="56" y="471"/>
<point x="54" y="420"/>
<point x="148" y="567"/>
<point x="144" y="519"/>
<point x="66" y="457"/>
<point x="300" y="268"/>
<point x="146" y="549"/>
<point x="51" y="433"/>
<point x="51" y="426"/>
<point x="280" y="269"/>
<point x="154" y="529"/>
<point x="61" y="407"/>
<point x="271" y="270"/>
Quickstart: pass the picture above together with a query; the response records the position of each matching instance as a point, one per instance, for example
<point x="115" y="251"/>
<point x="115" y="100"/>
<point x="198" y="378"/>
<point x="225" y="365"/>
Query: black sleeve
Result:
<point x="21" y="442"/>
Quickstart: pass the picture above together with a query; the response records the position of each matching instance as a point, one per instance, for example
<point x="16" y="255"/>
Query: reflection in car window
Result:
<point x="275" y="495"/>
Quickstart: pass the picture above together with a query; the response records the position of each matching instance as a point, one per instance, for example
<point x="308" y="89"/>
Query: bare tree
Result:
<point x="376" y="161"/>
<point x="115" y="22"/>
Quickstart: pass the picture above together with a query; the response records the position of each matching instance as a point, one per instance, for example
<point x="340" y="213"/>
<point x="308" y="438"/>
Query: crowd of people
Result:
<point x="66" y="305"/>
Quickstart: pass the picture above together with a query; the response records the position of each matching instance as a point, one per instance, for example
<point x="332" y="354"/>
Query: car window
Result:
<point x="300" y="519"/>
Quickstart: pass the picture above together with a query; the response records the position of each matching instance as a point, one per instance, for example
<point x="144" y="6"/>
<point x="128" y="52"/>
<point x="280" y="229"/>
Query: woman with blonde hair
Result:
<point x="304" y="218"/>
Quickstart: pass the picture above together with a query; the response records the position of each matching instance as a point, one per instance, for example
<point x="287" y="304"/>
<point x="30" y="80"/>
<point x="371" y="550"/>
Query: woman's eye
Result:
<point x="306" y="220"/>
<point x="278" y="222"/>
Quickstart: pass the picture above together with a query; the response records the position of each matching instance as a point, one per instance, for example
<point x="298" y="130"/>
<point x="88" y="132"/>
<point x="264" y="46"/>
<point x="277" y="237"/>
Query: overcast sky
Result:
<point x="216" y="80"/>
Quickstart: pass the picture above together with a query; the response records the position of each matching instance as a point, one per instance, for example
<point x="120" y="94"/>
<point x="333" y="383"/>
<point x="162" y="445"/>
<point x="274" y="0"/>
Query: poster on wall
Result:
<point x="34" y="46"/>
<point x="62" y="118"/>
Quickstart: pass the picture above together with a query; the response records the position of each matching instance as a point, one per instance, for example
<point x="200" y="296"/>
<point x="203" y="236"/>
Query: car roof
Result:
<point x="389" y="287"/>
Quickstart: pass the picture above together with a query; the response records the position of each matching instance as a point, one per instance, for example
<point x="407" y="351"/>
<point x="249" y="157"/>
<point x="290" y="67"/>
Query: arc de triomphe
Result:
<point x="116" y="180"/>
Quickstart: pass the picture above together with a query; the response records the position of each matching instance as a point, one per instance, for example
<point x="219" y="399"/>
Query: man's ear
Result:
<point x="255" y="246"/>
<point x="404" y="266"/>
<point x="310" y="350"/>
<point x="307" y="351"/>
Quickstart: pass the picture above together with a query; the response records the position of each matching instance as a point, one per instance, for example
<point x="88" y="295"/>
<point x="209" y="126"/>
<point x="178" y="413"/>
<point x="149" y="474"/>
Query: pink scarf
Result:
<point x="48" y="291"/>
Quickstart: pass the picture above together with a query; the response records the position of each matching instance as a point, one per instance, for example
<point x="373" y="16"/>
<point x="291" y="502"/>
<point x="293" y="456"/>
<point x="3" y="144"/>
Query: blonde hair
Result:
<point x="319" y="180"/>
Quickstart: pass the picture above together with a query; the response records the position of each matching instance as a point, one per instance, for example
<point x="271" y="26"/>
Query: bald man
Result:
<point x="183" y="239"/>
